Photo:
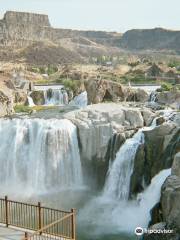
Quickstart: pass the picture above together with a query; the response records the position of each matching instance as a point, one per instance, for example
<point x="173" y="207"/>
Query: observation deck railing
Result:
<point x="46" y="223"/>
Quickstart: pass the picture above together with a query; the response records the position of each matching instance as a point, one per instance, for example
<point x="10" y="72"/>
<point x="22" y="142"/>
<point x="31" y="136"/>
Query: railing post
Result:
<point x="39" y="216"/>
<point x="6" y="211"/>
<point x="73" y="219"/>
<point x="26" y="236"/>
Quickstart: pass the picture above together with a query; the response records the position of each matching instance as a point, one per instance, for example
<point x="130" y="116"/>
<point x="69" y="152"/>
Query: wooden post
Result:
<point x="6" y="211"/>
<point x="73" y="223"/>
<point x="39" y="217"/>
<point x="26" y="236"/>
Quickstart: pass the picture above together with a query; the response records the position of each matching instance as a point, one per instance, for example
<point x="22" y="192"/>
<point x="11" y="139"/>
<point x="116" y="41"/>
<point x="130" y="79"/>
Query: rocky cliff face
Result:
<point x="152" y="39"/>
<point x="157" y="153"/>
<point x="102" y="128"/>
<point x="21" y="27"/>
<point x="24" y="28"/>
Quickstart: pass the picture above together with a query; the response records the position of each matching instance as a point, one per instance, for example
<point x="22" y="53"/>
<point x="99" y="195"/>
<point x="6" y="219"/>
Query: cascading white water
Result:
<point x="151" y="196"/>
<point x="112" y="212"/>
<point x="30" y="101"/>
<point x="39" y="155"/>
<point x="153" y="97"/>
<point x="118" y="181"/>
<point x="57" y="97"/>
<point x="81" y="100"/>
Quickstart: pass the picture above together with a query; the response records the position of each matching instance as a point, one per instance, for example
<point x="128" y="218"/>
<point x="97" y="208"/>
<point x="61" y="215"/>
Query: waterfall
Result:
<point x="153" y="97"/>
<point x="151" y="196"/>
<point x="112" y="212"/>
<point x="30" y="101"/>
<point x="80" y="100"/>
<point x="118" y="181"/>
<point x="39" y="155"/>
<point x="55" y="97"/>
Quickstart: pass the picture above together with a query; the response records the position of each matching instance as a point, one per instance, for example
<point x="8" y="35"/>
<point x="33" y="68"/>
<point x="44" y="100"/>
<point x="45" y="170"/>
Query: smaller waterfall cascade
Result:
<point x="81" y="100"/>
<point x="112" y="211"/>
<point x="151" y="196"/>
<point x="30" y="101"/>
<point x="55" y="97"/>
<point x="153" y="97"/>
<point x="39" y="155"/>
<point x="118" y="181"/>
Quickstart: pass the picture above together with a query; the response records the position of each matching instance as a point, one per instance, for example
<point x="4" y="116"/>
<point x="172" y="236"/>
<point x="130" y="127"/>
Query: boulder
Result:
<point x="141" y="95"/>
<point x="20" y="97"/>
<point x="99" y="90"/>
<point x="170" y="199"/>
<point x="148" y="116"/>
<point x="6" y="105"/>
<point x="176" y="165"/>
<point x="162" y="236"/>
<point x="161" y="145"/>
<point x="171" y="98"/>
<point x="38" y="97"/>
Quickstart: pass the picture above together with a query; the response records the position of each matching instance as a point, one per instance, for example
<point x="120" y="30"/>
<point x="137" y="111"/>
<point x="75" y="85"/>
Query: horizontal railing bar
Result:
<point x="22" y="203"/>
<point x="55" y="210"/>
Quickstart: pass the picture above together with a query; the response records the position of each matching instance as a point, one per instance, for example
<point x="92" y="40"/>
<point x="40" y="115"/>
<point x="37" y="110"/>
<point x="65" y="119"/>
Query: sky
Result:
<point x="109" y="15"/>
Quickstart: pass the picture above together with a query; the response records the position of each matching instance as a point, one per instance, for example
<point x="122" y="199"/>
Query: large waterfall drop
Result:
<point x="112" y="212"/>
<point x="118" y="181"/>
<point x="39" y="155"/>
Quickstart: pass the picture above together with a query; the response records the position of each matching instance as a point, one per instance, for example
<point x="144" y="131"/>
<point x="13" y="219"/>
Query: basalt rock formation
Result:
<point x="100" y="90"/>
<point x="157" y="153"/>
<point x="151" y="39"/>
<point x="102" y="129"/>
<point x="167" y="213"/>
<point x="24" y="28"/>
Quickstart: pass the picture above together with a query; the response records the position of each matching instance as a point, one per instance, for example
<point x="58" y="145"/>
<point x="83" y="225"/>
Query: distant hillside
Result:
<point x="30" y="38"/>
<point x="21" y="28"/>
<point x="151" y="39"/>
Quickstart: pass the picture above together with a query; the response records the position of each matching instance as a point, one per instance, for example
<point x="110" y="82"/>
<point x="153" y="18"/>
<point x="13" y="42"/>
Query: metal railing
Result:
<point x="47" y="223"/>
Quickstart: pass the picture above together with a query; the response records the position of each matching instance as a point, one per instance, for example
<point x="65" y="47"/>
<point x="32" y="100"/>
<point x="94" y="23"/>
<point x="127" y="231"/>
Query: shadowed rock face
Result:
<point x="157" y="38"/>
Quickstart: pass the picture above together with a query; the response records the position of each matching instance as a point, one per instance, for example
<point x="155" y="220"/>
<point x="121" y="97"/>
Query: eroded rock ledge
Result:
<point x="101" y="124"/>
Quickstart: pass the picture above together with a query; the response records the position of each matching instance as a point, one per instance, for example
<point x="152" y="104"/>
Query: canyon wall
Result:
<point x="22" y="28"/>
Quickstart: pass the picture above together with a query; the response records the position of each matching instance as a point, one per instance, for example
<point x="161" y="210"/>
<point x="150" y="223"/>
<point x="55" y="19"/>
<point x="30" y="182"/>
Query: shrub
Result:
<point x="166" y="86"/>
<point x="22" y="109"/>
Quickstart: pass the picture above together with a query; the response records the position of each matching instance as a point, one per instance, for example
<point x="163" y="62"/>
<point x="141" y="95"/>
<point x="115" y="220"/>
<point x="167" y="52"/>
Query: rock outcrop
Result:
<point x="38" y="97"/>
<point x="170" y="197"/>
<point x="98" y="127"/>
<point x="6" y="105"/>
<point x="169" y="207"/>
<point x="22" y="28"/>
<point x="170" y="98"/>
<point x="103" y="90"/>
<point x="151" y="39"/>
<point x="157" y="153"/>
